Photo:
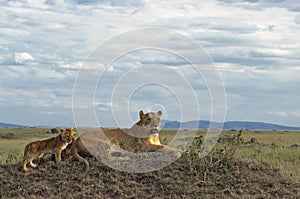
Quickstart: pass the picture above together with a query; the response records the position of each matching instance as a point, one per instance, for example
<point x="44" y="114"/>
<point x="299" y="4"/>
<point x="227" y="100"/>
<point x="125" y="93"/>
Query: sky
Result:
<point x="253" y="47"/>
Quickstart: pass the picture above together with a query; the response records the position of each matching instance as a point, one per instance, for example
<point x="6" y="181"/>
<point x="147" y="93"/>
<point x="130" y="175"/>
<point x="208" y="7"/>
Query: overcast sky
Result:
<point x="254" y="46"/>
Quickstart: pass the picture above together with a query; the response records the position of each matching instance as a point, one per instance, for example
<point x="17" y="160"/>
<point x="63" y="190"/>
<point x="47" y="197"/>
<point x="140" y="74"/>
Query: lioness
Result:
<point x="144" y="132"/>
<point x="53" y="145"/>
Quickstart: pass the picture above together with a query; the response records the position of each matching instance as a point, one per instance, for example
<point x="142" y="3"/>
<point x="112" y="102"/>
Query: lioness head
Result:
<point x="68" y="135"/>
<point x="150" y="122"/>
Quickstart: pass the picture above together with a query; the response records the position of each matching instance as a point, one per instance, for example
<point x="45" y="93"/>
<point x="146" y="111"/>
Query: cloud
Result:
<point x="280" y="114"/>
<point x="296" y="113"/>
<point x="103" y="106"/>
<point x="114" y="3"/>
<point x="254" y="44"/>
<point x="22" y="57"/>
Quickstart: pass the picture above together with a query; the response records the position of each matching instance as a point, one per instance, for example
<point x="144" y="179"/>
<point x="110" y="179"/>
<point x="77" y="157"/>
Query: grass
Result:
<point x="280" y="138"/>
<point x="287" y="160"/>
<point x="14" y="140"/>
<point x="274" y="147"/>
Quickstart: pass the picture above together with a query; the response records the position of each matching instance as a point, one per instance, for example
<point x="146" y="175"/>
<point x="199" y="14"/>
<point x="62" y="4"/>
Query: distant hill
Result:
<point x="204" y="124"/>
<point x="7" y="125"/>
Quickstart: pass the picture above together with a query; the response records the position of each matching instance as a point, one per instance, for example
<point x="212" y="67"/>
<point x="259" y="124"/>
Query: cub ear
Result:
<point x="141" y="114"/>
<point x="62" y="130"/>
<point x="159" y="113"/>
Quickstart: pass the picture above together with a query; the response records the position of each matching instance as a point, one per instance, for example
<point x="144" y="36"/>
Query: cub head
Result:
<point x="150" y="122"/>
<point x="68" y="135"/>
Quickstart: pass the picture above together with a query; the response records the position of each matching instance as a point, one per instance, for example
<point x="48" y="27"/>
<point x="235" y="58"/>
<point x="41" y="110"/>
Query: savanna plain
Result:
<point x="243" y="164"/>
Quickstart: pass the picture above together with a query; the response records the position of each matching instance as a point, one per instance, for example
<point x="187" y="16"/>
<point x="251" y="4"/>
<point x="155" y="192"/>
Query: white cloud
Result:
<point x="37" y="3"/>
<point x="103" y="106"/>
<point x="13" y="32"/>
<point x="296" y="113"/>
<point x="23" y="57"/>
<point x="255" y="46"/>
<point x="285" y="114"/>
<point x="279" y="113"/>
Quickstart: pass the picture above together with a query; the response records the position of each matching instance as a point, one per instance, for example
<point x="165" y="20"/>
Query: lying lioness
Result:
<point x="144" y="132"/>
<point x="53" y="145"/>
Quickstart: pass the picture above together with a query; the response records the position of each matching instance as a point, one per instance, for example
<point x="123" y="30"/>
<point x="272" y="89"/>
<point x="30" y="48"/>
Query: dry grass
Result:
<point x="274" y="147"/>
<point x="279" y="149"/>
<point x="14" y="140"/>
<point x="219" y="175"/>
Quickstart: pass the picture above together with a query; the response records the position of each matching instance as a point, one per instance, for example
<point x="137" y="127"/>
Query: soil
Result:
<point x="230" y="178"/>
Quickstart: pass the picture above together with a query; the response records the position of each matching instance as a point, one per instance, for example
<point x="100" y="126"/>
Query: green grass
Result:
<point x="14" y="140"/>
<point x="25" y="133"/>
<point x="275" y="149"/>
<point x="281" y="138"/>
<point x="287" y="160"/>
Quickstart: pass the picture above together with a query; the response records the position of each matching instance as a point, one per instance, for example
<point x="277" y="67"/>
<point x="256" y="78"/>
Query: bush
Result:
<point x="8" y="136"/>
<point x="221" y="157"/>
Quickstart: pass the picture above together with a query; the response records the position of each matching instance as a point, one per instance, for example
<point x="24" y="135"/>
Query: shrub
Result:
<point x="8" y="136"/>
<point x="221" y="157"/>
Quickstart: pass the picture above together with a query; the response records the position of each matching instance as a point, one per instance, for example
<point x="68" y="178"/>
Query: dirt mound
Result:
<point x="198" y="179"/>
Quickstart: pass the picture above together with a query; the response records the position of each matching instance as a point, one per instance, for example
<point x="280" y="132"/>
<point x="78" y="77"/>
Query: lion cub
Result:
<point x="54" y="145"/>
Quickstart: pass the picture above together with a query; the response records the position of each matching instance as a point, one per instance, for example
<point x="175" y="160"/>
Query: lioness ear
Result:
<point x="141" y="114"/>
<point x="159" y="113"/>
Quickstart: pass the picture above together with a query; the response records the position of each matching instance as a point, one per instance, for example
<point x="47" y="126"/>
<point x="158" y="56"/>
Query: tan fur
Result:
<point x="52" y="145"/>
<point x="144" y="132"/>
